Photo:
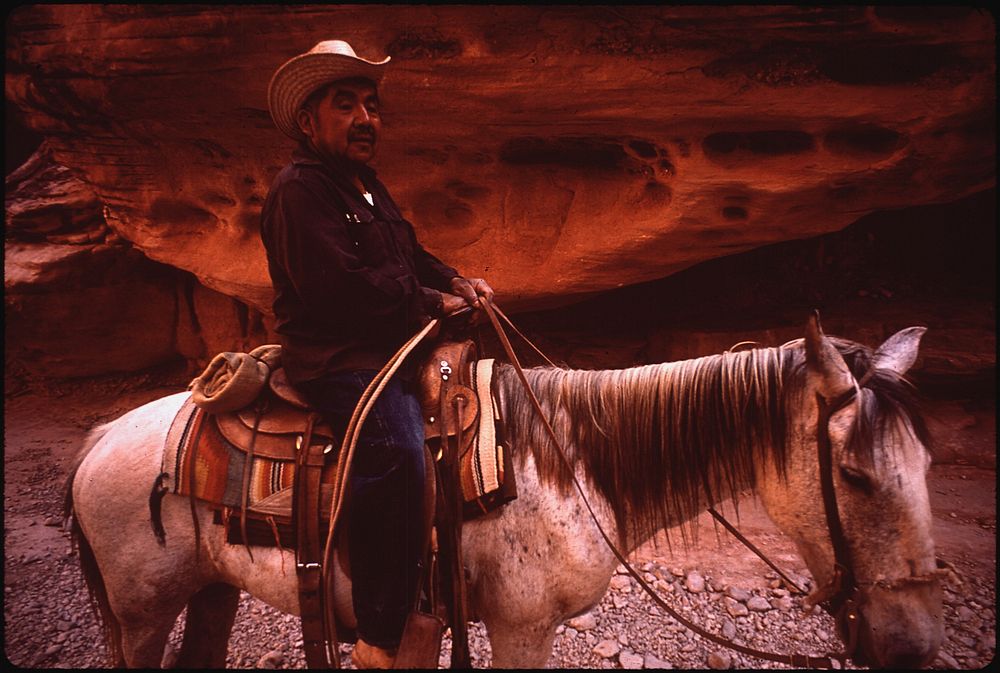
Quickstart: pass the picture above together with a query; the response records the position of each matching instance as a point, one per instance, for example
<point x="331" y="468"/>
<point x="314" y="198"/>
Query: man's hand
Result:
<point x="451" y="303"/>
<point x="471" y="289"/>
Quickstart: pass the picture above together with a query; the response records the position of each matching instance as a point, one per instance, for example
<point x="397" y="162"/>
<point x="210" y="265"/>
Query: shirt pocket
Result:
<point x="403" y="238"/>
<point x="370" y="244"/>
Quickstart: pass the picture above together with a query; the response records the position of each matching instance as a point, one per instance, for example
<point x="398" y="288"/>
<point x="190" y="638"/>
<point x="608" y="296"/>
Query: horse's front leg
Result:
<point x="523" y="596"/>
<point x="532" y="565"/>
<point x="520" y="645"/>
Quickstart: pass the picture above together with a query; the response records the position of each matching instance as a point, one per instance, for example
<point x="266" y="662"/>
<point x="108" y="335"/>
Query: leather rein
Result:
<point x="842" y="598"/>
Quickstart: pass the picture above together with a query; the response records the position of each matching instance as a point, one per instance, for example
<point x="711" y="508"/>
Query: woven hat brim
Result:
<point x="299" y="77"/>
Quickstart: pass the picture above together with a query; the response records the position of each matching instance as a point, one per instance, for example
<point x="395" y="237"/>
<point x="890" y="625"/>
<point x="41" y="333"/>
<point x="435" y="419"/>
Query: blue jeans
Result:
<point x="385" y="500"/>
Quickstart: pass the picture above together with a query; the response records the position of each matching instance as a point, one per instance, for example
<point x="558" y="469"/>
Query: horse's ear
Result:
<point x="899" y="351"/>
<point x="825" y="361"/>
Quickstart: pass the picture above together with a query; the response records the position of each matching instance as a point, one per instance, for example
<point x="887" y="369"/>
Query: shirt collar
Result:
<point x="304" y="155"/>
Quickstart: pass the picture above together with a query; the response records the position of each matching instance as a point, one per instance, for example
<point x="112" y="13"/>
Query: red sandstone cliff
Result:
<point x="558" y="151"/>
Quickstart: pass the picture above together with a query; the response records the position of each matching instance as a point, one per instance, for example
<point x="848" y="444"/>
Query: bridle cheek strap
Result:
<point x="842" y="597"/>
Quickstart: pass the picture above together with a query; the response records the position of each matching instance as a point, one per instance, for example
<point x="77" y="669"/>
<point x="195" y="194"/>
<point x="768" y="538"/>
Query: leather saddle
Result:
<point x="445" y="380"/>
<point x="279" y="417"/>
<point x="280" y="414"/>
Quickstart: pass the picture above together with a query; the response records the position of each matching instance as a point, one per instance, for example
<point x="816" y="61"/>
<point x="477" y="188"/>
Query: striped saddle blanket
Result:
<point x="199" y="461"/>
<point x="202" y="462"/>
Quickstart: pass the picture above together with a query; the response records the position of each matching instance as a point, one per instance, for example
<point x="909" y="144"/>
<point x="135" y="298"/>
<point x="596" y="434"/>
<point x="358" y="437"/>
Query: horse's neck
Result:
<point x="659" y="443"/>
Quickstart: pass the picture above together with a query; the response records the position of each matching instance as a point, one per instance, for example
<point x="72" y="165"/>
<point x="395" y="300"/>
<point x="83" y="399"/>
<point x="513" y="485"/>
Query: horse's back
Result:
<point x="121" y="465"/>
<point x="137" y="430"/>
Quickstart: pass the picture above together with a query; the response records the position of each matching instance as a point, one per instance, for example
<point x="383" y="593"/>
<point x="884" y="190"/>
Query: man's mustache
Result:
<point x="362" y="134"/>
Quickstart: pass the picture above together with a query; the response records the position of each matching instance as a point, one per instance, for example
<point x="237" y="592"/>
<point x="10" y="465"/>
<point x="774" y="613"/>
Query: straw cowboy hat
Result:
<point x="328" y="61"/>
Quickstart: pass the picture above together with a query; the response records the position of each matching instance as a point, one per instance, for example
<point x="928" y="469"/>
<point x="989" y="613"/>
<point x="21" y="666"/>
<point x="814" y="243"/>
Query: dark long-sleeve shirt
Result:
<point x="351" y="281"/>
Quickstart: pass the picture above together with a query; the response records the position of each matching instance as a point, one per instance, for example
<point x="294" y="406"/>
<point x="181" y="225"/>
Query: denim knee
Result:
<point x="392" y="437"/>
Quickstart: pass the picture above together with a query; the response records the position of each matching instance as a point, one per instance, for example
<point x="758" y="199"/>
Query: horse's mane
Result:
<point x="661" y="441"/>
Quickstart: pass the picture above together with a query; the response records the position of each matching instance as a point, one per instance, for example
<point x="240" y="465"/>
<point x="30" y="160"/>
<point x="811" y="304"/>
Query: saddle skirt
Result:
<point x="482" y="470"/>
<point x="202" y="461"/>
<point x="205" y="454"/>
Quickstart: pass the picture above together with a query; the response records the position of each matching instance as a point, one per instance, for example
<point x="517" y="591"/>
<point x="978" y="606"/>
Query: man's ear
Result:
<point x="304" y="119"/>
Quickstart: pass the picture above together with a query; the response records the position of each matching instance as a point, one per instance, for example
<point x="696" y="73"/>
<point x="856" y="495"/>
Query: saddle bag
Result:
<point x="234" y="380"/>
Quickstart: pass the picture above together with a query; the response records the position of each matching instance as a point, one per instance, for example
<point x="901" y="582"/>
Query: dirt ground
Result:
<point x="43" y="426"/>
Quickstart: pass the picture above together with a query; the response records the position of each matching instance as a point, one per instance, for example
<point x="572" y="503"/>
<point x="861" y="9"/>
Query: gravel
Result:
<point x="49" y="624"/>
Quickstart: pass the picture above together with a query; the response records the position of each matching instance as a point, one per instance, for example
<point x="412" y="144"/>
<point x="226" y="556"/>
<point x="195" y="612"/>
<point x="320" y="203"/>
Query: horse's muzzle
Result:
<point x="898" y="630"/>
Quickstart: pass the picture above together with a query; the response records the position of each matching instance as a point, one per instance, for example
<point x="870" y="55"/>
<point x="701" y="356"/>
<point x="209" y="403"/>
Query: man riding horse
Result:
<point x="352" y="284"/>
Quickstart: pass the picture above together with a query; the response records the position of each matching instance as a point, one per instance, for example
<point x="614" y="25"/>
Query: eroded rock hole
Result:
<point x="761" y="143"/>
<point x="734" y="213"/>
<point x="179" y="213"/>
<point x="868" y="139"/>
<point x="20" y="141"/>
<point x="888" y="64"/>
<point x="643" y="149"/>
<point x="658" y="194"/>
<point x="596" y="153"/>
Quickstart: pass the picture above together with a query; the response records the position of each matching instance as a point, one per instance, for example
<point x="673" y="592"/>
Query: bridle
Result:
<point x="844" y="595"/>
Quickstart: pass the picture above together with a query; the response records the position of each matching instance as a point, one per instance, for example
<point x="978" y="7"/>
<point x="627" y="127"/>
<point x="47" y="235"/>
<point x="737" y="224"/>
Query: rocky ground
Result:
<point x="48" y="623"/>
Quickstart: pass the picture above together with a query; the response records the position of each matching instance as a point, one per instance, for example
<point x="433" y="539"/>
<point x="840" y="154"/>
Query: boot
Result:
<point x="369" y="656"/>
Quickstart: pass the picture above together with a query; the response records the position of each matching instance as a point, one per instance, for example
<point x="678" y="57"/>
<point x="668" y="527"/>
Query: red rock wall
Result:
<point x="562" y="152"/>
<point x="556" y="150"/>
<point x="80" y="301"/>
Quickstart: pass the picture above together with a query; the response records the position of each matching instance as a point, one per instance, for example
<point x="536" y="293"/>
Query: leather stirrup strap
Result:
<point x="461" y="657"/>
<point x="192" y="482"/>
<point x="452" y="525"/>
<point x="309" y="468"/>
<point x="420" y="646"/>
<point x="794" y="660"/>
<point x="247" y="471"/>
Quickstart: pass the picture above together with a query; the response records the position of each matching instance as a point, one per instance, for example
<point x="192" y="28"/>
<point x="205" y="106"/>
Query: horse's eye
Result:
<point x="858" y="478"/>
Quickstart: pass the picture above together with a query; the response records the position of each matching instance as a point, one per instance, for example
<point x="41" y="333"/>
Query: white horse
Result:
<point x="652" y="447"/>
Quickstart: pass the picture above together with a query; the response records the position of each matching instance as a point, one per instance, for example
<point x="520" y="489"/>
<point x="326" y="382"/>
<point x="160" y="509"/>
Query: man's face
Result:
<point x="345" y="122"/>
